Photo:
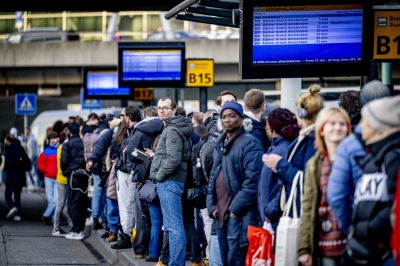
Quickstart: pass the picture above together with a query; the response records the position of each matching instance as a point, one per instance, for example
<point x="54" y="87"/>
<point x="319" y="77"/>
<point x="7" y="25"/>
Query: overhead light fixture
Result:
<point x="49" y="91"/>
<point x="216" y="12"/>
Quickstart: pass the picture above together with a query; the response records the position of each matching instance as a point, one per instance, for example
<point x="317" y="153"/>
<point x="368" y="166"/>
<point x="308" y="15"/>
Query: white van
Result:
<point x="46" y="119"/>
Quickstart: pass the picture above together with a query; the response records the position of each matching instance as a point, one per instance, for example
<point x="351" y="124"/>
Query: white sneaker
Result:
<point x="76" y="236"/>
<point x="81" y="235"/>
<point x="70" y="235"/>
<point x="13" y="211"/>
<point x="17" y="218"/>
<point x="57" y="233"/>
<point x="89" y="221"/>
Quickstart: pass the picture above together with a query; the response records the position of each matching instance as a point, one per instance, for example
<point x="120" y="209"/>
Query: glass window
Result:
<point x="154" y="24"/>
<point x="45" y="23"/>
<point x="85" y="24"/>
<point x="7" y="26"/>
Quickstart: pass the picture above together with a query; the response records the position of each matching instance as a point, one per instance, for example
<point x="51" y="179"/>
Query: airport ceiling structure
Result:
<point x="218" y="12"/>
<point x="87" y="5"/>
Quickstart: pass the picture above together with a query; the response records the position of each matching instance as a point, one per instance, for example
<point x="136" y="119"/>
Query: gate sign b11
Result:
<point x="387" y="34"/>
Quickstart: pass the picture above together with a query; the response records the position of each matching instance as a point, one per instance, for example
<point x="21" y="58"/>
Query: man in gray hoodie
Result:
<point x="169" y="168"/>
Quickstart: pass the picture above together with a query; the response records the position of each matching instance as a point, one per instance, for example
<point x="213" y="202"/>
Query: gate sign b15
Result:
<point x="199" y="72"/>
<point x="387" y="34"/>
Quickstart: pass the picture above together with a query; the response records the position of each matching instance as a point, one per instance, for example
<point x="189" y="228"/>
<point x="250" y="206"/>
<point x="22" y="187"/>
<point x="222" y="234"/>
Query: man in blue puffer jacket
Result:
<point x="232" y="194"/>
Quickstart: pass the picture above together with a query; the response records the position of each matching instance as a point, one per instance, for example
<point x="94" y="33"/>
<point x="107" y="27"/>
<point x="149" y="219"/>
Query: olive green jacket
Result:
<point x="308" y="239"/>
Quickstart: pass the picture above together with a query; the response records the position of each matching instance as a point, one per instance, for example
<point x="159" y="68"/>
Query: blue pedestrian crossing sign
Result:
<point x="25" y="104"/>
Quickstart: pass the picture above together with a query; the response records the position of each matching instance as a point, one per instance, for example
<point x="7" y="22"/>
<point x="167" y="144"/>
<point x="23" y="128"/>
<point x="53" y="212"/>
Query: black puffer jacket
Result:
<point x="15" y="172"/>
<point x="72" y="155"/>
<point x="142" y="136"/>
<point x="206" y="152"/>
<point x="98" y="156"/>
<point x="370" y="231"/>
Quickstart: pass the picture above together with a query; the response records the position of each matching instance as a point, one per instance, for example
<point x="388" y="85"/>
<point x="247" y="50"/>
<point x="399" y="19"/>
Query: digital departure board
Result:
<point x="152" y="64"/>
<point x="103" y="83"/>
<point x="303" y="40"/>
<point x="316" y="34"/>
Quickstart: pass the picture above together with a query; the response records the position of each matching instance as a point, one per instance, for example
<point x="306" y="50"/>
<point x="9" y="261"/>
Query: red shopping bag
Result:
<point x="396" y="226"/>
<point x="261" y="247"/>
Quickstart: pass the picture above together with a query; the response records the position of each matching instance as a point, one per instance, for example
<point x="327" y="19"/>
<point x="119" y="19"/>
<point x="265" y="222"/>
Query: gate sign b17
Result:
<point x="387" y="34"/>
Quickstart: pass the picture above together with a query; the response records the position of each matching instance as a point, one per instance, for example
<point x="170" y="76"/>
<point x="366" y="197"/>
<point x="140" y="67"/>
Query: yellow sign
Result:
<point x="387" y="34"/>
<point x="200" y="72"/>
<point x="143" y="94"/>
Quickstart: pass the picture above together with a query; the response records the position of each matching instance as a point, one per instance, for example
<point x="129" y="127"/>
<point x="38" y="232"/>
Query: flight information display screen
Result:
<point x="158" y="65"/>
<point x="307" y="34"/>
<point x="103" y="83"/>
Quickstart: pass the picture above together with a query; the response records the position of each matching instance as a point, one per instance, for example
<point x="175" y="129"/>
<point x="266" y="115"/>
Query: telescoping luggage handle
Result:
<point x="291" y="204"/>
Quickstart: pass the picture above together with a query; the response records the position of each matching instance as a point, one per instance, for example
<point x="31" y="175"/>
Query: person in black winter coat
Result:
<point x="142" y="138"/>
<point x="370" y="231"/>
<point x="72" y="166"/>
<point x="15" y="164"/>
<point x="232" y="193"/>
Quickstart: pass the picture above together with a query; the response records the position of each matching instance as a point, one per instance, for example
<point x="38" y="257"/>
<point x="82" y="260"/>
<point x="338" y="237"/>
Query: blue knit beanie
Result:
<point x="233" y="106"/>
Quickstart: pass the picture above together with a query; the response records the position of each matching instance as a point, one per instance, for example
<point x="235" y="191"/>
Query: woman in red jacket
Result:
<point x="47" y="164"/>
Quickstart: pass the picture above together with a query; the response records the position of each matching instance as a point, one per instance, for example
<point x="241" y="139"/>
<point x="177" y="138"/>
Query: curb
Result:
<point x="121" y="257"/>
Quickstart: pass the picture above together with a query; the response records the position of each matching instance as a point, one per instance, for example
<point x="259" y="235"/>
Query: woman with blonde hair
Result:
<point x="321" y="241"/>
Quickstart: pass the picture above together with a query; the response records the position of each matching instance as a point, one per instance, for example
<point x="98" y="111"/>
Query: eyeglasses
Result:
<point x="164" y="108"/>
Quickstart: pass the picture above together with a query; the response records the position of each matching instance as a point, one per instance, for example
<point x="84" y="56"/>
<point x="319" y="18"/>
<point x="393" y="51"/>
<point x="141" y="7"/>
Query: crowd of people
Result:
<point x="177" y="187"/>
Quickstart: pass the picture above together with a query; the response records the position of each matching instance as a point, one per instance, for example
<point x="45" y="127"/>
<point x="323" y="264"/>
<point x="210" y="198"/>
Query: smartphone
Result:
<point x="141" y="155"/>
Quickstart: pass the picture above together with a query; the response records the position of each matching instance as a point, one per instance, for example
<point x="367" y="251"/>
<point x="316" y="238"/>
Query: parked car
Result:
<point x="172" y="35"/>
<point x="42" y="35"/>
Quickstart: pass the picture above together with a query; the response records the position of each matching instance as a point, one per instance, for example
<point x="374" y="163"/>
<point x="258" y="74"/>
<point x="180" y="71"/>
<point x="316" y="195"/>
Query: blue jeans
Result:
<point x="98" y="199"/>
<point x="155" y="233"/>
<point x="61" y="202"/>
<point x="170" y="194"/>
<point x="112" y="215"/>
<point x="51" y="196"/>
<point x="229" y="238"/>
<point x="215" y="253"/>
<point x="34" y="173"/>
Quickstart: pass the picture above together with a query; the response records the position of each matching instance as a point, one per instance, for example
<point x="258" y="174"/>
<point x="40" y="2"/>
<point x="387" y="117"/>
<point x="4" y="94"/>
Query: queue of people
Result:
<point x="174" y="187"/>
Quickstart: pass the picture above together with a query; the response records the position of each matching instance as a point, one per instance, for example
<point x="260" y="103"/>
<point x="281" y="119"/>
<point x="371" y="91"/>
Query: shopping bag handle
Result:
<point x="291" y="204"/>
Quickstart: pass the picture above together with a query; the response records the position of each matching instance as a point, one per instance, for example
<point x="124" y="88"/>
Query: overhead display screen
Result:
<point x="103" y="84"/>
<point x="290" y="37"/>
<point x="152" y="64"/>
<point x="317" y="34"/>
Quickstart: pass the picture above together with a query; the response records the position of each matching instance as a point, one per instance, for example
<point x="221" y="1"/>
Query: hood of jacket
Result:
<point x="151" y="126"/>
<point x="212" y="127"/>
<point x="181" y="122"/>
<point x="380" y="148"/>
<point x="250" y="124"/>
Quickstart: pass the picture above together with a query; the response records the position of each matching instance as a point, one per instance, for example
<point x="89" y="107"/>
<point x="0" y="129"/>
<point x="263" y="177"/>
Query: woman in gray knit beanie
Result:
<point x="369" y="241"/>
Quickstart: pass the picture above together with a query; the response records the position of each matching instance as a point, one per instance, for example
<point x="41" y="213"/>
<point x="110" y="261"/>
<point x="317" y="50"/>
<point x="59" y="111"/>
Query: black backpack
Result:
<point x="199" y="178"/>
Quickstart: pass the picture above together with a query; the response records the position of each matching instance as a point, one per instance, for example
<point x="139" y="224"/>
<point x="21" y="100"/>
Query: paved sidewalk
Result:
<point x="29" y="242"/>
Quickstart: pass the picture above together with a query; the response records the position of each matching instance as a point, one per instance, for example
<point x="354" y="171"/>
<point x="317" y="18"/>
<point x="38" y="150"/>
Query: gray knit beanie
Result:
<point x="373" y="90"/>
<point x="382" y="114"/>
